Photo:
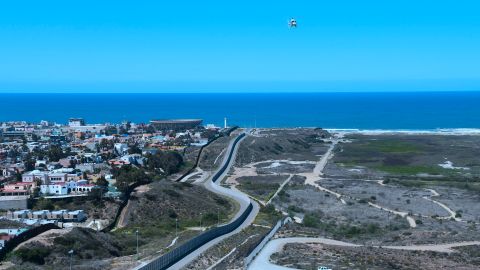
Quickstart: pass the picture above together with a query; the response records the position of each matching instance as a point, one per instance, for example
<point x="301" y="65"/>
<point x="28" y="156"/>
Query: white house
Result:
<point x="44" y="177"/>
<point x="41" y="214"/>
<point x="133" y="158"/>
<point x="82" y="188"/>
<point x="76" y="122"/>
<point x="40" y="162"/>
<point x="58" y="214"/>
<point x="59" y="188"/>
<point x="121" y="148"/>
<point x="77" y="215"/>
<point x="85" y="167"/>
<point x="21" y="214"/>
<point x="57" y="177"/>
<point x="34" y="175"/>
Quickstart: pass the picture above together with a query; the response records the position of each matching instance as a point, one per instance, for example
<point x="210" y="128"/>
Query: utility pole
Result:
<point x="71" y="254"/>
<point x="136" y="232"/>
<point x="176" y="227"/>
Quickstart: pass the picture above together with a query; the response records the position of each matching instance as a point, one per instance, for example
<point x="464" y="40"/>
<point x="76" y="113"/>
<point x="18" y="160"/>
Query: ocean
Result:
<point x="390" y="111"/>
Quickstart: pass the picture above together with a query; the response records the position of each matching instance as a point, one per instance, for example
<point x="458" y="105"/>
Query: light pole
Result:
<point x="176" y="227"/>
<point x="136" y="232"/>
<point x="200" y="220"/>
<point x="70" y="252"/>
<point x="218" y="217"/>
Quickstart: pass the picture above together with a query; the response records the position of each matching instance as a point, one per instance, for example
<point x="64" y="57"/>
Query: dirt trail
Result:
<point x="452" y="214"/>
<point x="448" y="209"/>
<point x="219" y="155"/>
<point x="312" y="178"/>
<point x="198" y="172"/>
<point x="279" y="189"/>
<point x="121" y="219"/>
<point x="410" y="219"/>
<point x="262" y="261"/>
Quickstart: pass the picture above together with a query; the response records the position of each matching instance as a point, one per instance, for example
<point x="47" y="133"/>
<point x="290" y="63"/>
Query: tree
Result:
<point x="33" y="254"/>
<point x="134" y="149"/>
<point x="106" y="144"/>
<point x="72" y="163"/>
<point x="96" y="193"/>
<point x="209" y="134"/>
<point x="127" y="175"/>
<point x="35" y="137"/>
<point x="44" y="204"/>
<point x="102" y="182"/>
<point x="111" y="130"/>
<point x="29" y="163"/>
<point x="122" y="130"/>
<point x="150" y="129"/>
<point x="169" y="162"/>
<point x="55" y="153"/>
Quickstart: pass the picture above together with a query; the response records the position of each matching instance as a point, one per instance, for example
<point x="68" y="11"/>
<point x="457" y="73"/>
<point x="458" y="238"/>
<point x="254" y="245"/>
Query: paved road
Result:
<point x="242" y="199"/>
<point x="262" y="261"/>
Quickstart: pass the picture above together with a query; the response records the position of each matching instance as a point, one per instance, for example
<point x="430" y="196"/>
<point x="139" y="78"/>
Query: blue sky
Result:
<point x="169" y="46"/>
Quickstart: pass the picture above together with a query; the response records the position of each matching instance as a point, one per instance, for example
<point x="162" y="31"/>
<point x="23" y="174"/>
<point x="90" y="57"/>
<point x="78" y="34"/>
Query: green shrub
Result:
<point x="68" y="242"/>
<point x="310" y="220"/>
<point x="295" y="208"/>
<point x="220" y="201"/>
<point x="34" y="254"/>
<point x="172" y="193"/>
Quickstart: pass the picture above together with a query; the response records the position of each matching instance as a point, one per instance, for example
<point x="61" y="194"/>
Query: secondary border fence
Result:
<point x="264" y="241"/>
<point x="132" y="187"/>
<point x="225" y="166"/>
<point x="180" y="252"/>
<point x="197" y="160"/>
<point x="24" y="236"/>
<point x="128" y="194"/>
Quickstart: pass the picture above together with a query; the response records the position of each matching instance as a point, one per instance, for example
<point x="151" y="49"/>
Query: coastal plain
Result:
<point x="356" y="200"/>
<point x="372" y="190"/>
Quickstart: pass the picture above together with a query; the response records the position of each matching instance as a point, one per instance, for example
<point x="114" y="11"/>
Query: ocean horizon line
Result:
<point x="239" y="92"/>
<point x="375" y="110"/>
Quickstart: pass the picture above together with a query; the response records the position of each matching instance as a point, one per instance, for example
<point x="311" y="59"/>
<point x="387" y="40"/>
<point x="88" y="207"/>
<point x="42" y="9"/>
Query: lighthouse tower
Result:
<point x="225" y="122"/>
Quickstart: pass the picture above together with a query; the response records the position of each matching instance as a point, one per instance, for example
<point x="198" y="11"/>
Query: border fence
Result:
<point x="264" y="241"/>
<point x="225" y="166"/>
<point x="132" y="187"/>
<point x="197" y="160"/>
<point x="180" y="252"/>
<point x="24" y="236"/>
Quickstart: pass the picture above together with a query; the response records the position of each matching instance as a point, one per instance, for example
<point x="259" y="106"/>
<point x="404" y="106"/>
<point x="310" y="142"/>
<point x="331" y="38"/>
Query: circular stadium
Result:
<point x="176" y="124"/>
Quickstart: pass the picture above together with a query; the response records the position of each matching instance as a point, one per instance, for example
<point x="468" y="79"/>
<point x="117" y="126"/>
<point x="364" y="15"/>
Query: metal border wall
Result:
<point x="180" y="252"/>
<point x="264" y="241"/>
<point x="225" y="166"/>
<point x="197" y="160"/>
<point x="24" y="236"/>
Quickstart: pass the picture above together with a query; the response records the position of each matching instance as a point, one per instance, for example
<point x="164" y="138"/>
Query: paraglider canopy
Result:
<point x="292" y="23"/>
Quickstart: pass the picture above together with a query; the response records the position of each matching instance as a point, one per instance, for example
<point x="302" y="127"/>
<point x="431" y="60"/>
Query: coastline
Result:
<point x="440" y="131"/>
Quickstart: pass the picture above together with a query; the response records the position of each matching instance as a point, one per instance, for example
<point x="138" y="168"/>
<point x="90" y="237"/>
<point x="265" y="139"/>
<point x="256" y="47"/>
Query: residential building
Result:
<point x="76" y="122"/>
<point x="59" y="188"/>
<point x="16" y="189"/>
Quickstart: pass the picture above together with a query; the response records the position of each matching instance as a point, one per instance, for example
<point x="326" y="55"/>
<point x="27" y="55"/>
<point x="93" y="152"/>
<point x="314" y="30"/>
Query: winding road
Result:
<point x="242" y="200"/>
<point x="262" y="261"/>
